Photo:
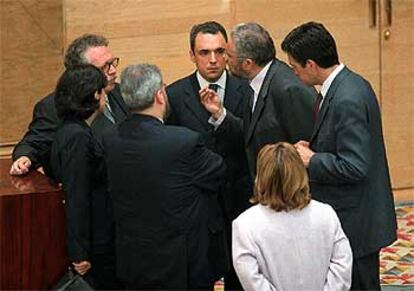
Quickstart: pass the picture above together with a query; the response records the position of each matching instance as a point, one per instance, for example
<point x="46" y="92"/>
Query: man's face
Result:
<point x="102" y="58"/>
<point x="209" y="55"/>
<point x="304" y="73"/>
<point x="234" y="62"/>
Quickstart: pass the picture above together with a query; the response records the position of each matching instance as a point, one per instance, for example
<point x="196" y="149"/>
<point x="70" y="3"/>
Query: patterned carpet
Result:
<point x="397" y="260"/>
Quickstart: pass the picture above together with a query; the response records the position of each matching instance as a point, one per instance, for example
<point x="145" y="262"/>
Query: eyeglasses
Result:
<point x="107" y="66"/>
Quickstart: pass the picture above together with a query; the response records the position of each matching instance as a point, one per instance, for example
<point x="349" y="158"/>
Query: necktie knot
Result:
<point x="213" y="87"/>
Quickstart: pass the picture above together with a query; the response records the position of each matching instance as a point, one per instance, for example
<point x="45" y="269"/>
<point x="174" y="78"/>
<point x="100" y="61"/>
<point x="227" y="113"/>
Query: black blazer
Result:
<point x="187" y="110"/>
<point x="160" y="178"/>
<point x="349" y="170"/>
<point x="283" y="112"/>
<point x="37" y="141"/>
<point x="77" y="162"/>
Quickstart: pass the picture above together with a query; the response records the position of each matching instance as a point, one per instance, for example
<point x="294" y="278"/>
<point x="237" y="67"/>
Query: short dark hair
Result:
<point x="211" y="27"/>
<point x="311" y="41"/>
<point x="282" y="180"/>
<point x="253" y="42"/>
<point x="75" y="92"/>
<point x="75" y="53"/>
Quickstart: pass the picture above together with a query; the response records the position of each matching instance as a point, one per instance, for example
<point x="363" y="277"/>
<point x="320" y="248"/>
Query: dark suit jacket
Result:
<point x="160" y="178"/>
<point x="349" y="170"/>
<point x="77" y="162"/>
<point x="37" y="141"/>
<point x="283" y="112"/>
<point x="187" y="110"/>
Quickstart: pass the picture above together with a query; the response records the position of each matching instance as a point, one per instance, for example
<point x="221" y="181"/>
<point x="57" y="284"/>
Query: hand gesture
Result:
<point x="211" y="102"/>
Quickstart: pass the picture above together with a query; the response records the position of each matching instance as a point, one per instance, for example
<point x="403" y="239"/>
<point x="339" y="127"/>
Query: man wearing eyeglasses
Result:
<point x="33" y="151"/>
<point x="208" y="53"/>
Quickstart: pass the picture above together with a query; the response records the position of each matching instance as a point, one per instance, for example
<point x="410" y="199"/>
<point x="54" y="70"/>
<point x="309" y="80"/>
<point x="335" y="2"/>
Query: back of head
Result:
<point x="75" y="53"/>
<point x="311" y="41"/>
<point x="139" y="83"/>
<point x="281" y="180"/>
<point x="210" y="27"/>
<point x="75" y="96"/>
<point x="253" y="42"/>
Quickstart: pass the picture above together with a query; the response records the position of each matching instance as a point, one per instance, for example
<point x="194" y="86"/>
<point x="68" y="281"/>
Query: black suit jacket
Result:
<point x="160" y="178"/>
<point x="187" y="110"/>
<point x="349" y="170"/>
<point x="37" y="141"/>
<point x="77" y="162"/>
<point x="283" y="112"/>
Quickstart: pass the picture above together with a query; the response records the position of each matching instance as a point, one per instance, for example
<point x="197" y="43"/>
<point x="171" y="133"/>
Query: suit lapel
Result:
<point x="192" y="101"/>
<point x="117" y="104"/>
<point x="328" y="99"/>
<point x="261" y="100"/>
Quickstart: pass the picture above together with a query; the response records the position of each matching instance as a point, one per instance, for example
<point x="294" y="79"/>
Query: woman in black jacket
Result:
<point x="77" y="162"/>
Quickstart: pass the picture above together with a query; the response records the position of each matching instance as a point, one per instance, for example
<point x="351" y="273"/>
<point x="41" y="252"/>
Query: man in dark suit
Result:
<point x="280" y="107"/>
<point x="345" y="156"/>
<point x="160" y="178"/>
<point x="33" y="151"/>
<point x="208" y="52"/>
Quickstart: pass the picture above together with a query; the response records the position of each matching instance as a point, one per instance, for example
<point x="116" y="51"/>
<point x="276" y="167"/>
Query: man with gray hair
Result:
<point x="160" y="178"/>
<point x="280" y="107"/>
<point x="33" y="151"/>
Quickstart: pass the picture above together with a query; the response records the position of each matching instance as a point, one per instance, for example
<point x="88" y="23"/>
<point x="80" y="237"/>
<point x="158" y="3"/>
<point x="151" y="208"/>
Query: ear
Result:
<point x="159" y="97"/>
<point x="192" y="56"/>
<point x="310" y="63"/>
<point x="246" y="64"/>
<point x="98" y="95"/>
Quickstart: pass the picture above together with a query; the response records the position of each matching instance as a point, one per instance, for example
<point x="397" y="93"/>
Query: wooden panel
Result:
<point x="145" y="31"/>
<point x="397" y="66"/>
<point x="347" y="20"/>
<point x="30" y="58"/>
<point x="32" y="231"/>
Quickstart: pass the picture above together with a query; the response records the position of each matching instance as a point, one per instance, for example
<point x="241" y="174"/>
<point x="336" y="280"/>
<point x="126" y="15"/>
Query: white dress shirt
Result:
<point x="328" y="82"/>
<point x="257" y="82"/>
<point x="295" y="250"/>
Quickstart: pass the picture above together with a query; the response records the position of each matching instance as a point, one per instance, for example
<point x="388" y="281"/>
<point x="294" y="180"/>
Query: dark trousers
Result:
<point x="365" y="273"/>
<point x="102" y="274"/>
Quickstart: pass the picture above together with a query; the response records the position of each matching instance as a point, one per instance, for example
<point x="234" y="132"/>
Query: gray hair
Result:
<point x="75" y="53"/>
<point x="139" y="83"/>
<point x="253" y="42"/>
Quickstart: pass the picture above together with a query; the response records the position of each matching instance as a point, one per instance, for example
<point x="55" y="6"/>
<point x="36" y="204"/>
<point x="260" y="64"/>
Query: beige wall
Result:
<point x="156" y="31"/>
<point x="30" y="60"/>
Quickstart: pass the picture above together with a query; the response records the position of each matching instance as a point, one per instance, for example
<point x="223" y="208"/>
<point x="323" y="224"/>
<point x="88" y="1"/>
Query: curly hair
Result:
<point x="75" y="53"/>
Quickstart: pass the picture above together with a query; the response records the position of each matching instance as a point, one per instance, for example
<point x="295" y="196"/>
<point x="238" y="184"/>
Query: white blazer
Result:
<point x="296" y="250"/>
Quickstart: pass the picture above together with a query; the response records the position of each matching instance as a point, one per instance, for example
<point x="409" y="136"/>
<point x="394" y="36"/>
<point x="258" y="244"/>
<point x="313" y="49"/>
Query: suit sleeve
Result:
<point x="76" y="179"/>
<point x="350" y="160"/>
<point x="245" y="260"/>
<point x="340" y="266"/>
<point x="296" y="112"/>
<point x="208" y="168"/>
<point x="37" y="141"/>
<point x="231" y="129"/>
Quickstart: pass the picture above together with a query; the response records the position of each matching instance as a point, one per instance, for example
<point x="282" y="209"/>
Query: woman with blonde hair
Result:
<point x="289" y="241"/>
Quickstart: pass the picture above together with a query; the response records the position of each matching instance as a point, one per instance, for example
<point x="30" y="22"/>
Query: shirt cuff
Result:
<point x="217" y="122"/>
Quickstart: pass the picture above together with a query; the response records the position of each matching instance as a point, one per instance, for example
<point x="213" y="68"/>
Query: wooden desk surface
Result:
<point x="32" y="231"/>
<point x="33" y="182"/>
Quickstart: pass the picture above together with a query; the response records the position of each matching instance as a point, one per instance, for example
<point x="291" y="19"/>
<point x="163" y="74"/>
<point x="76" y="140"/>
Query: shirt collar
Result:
<point x="257" y="81"/>
<point x="328" y="82"/>
<point x="221" y="81"/>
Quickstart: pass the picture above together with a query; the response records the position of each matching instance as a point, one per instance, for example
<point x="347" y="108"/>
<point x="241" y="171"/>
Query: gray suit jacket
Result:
<point x="283" y="112"/>
<point x="349" y="170"/>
